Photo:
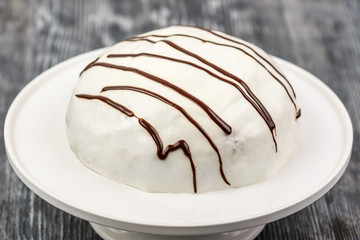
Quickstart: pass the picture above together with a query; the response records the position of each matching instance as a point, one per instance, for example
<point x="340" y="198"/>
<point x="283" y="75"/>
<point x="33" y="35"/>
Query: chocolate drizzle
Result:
<point x="161" y="152"/>
<point x="253" y="50"/>
<point x="200" y="68"/>
<point x="298" y="110"/>
<point x="249" y="95"/>
<point x="237" y="82"/>
<point x="223" y="125"/>
<point x="89" y="66"/>
<point x="180" y="109"/>
<point x="237" y="48"/>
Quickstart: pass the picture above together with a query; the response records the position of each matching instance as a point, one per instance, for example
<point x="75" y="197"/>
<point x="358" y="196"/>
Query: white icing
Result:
<point x="117" y="147"/>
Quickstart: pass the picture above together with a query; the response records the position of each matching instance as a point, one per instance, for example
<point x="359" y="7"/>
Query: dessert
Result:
<point x="181" y="110"/>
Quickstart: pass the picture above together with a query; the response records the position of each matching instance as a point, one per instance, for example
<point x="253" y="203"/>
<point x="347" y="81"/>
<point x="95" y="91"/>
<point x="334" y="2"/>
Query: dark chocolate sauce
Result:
<point x="298" y="110"/>
<point x="253" y="50"/>
<point x="161" y="152"/>
<point x="196" y="66"/>
<point x="89" y="66"/>
<point x="237" y="48"/>
<point x="180" y="109"/>
<point x="250" y="96"/>
<point x="223" y="125"/>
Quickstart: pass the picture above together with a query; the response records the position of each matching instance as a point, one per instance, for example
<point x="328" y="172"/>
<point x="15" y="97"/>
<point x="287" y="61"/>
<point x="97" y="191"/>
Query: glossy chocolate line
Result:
<point x="234" y="47"/>
<point x="247" y="46"/>
<point x="193" y="65"/>
<point x="161" y="152"/>
<point x="298" y="110"/>
<point x="89" y="66"/>
<point x="221" y="123"/>
<point x="253" y="99"/>
<point x="180" y="109"/>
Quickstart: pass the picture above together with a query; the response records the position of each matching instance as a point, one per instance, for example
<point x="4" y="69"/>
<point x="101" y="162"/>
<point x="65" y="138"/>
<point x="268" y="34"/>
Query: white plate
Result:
<point x="38" y="151"/>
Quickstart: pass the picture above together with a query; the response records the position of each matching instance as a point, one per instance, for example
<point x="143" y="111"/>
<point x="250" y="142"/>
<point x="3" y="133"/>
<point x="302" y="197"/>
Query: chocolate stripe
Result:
<point x="180" y="109"/>
<point x="161" y="152"/>
<point x="195" y="66"/>
<point x="253" y="100"/>
<point x="221" y="123"/>
<point x="88" y="66"/>
<point x="242" y="50"/>
<point x="253" y="50"/>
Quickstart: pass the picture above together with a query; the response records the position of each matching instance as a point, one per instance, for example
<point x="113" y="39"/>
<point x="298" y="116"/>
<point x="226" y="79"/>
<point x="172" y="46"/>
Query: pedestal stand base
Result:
<point x="115" y="234"/>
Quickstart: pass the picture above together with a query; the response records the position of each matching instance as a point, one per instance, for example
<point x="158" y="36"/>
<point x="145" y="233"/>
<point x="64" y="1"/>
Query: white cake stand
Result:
<point x="38" y="151"/>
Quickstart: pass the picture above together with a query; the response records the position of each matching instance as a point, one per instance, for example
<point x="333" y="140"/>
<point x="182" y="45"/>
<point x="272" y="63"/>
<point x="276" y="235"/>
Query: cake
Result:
<point x="183" y="110"/>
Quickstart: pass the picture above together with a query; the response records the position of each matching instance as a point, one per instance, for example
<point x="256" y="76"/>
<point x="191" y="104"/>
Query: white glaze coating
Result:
<point x="117" y="147"/>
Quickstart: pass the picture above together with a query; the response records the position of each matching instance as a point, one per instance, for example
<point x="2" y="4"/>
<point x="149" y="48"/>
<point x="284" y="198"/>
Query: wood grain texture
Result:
<point x="321" y="36"/>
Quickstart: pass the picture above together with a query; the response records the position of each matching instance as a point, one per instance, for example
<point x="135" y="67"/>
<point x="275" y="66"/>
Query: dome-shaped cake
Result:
<point x="181" y="110"/>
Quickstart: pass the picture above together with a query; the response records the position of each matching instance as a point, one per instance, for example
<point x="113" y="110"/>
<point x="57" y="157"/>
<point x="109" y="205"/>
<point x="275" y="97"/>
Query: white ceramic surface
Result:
<point x="37" y="149"/>
<point x="114" y="234"/>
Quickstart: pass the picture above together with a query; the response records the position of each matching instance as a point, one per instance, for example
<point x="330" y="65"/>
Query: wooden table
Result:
<point x="321" y="36"/>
